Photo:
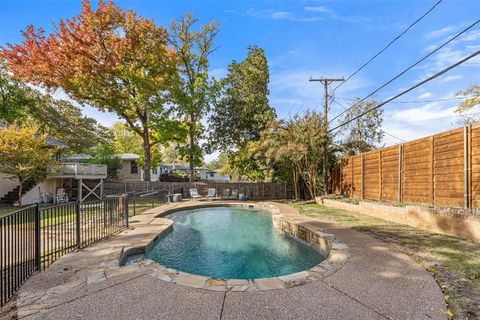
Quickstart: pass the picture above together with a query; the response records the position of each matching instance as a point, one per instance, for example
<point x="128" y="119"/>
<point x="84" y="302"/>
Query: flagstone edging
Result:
<point x="291" y="223"/>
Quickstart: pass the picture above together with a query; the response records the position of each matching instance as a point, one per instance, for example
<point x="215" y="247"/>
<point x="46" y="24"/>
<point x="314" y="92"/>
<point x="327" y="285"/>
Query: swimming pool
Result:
<point x="230" y="243"/>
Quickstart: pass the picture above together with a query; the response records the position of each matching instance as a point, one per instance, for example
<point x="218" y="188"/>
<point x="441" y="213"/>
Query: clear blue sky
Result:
<point x="317" y="38"/>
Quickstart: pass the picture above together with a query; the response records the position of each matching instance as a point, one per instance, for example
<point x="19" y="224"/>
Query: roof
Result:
<point x="52" y="142"/>
<point x="128" y="156"/>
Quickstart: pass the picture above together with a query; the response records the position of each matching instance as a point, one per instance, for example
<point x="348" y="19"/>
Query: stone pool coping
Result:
<point x="291" y="223"/>
<point x="377" y="282"/>
<point x="83" y="272"/>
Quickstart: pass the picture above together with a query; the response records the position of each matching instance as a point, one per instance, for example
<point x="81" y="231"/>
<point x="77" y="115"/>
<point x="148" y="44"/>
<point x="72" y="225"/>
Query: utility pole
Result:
<point x="325" y="82"/>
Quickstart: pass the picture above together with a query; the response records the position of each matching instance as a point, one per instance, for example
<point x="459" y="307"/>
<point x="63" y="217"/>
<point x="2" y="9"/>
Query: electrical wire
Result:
<point x="389" y="44"/>
<point x="436" y="75"/>
<point x="385" y="132"/>
<point x="332" y="42"/>
<point x="411" y="66"/>
<point x="420" y="101"/>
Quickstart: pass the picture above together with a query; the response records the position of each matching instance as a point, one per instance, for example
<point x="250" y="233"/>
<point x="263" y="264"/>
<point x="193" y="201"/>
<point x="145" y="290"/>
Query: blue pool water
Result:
<point x="229" y="242"/>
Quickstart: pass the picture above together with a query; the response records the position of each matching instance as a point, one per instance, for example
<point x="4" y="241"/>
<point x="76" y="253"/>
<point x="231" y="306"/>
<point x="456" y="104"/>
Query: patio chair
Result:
<point x="225" y="194"/>
<point x="194" y="194"/>
<point x="234" y="194"/>
<point x="211" y="193"/>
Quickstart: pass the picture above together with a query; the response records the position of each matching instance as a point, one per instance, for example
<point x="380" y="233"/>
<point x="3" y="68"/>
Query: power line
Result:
<point x="436" y="75"/>
<point x="412" y="66"/>
<point x="388" y="134"/>
<point x="420" y="101"/>
<point x="334" y="38"/>
<point x="443" y="118"/>
<point x="391" y="135"/>
<point x="432" y="100"/>
<point x="389" y="44"/>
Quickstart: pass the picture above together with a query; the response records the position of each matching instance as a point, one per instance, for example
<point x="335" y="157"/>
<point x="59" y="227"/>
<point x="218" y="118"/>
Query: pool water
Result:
<point x="230" y="242"/>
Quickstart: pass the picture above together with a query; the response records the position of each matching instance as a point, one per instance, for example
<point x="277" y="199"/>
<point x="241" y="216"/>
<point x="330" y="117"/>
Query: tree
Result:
<point x="193" y="88"/>
<point x="220" y="163"/>
<point x="64" y="121"/>
<point x="60" y="119"/>
<point x="170" y="153"/>
<point x="125" y="140"/>
<point x="108" y="58"/>
<point x="298" y="144"/>
<point x="363" y="134"/>
<point x="13" y="97"/>
<point x="468" y="104"/>
<point x="104" y="153"/>
<point x="242" y="111"/>
<point x="24" y="155"/>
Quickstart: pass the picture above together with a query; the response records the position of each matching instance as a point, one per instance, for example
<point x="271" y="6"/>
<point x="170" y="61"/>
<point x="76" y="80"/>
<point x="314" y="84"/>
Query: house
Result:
<point x="211" y="175"/>
<point x="130" y="171"/>
<point x="68" y="180"/>
<point x="170" y="168"/>
<point x="201" y="173"/>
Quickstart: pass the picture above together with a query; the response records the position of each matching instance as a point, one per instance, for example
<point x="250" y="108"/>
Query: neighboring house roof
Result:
<point x="128" y="156"/>
<point x="52" y="142"/>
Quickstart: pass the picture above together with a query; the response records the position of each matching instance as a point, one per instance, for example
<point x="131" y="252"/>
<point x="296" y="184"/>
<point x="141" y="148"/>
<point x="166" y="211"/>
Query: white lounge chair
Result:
<point x="211" y="193"/>
<point x="194" y="194"/>
<point x="225" y="193"/>
<point x="234" y="194"/>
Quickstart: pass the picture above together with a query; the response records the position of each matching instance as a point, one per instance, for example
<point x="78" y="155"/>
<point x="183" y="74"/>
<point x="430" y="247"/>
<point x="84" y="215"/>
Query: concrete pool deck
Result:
<point x="376" y="282"/>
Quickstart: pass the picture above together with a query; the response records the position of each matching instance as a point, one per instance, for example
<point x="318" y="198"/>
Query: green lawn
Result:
<point x="7" y="209"/>
<point x="454" y="263"/>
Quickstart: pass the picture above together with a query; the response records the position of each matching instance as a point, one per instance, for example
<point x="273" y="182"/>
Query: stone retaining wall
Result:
<point x="302" y="233"/>
<point x="431" y="219"/>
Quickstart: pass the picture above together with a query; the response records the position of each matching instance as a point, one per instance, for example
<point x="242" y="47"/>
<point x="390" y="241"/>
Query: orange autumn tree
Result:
<point x="107" y="58"/>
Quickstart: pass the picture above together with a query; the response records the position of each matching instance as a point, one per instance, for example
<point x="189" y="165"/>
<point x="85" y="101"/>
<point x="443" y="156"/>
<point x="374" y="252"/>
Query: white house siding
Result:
<point x="41" y="193"/>
<point x="217" y="176"/>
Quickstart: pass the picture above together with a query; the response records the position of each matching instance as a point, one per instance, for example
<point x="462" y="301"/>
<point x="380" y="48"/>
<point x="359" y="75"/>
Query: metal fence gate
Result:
<point x="34" y="237"/>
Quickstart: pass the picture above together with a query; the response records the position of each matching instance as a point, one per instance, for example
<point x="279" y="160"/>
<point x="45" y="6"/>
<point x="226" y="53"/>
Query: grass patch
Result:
<point x="7" y="209"/>
<point x="454" y="263"/>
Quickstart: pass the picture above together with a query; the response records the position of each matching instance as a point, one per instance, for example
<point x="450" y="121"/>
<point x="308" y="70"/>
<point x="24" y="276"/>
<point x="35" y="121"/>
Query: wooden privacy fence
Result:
<point x="253" y="190"/>
<point x="441" y="170"/>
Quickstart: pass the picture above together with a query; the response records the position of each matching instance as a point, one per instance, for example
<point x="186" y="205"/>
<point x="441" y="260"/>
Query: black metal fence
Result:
<point x="34" y="237"/>
<point x="141" y="201"/>
<point x="19" y="240"/>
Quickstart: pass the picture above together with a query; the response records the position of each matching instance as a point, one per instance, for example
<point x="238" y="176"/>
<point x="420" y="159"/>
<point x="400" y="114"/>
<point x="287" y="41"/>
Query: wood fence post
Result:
<point x="351" y="186"/>
<point x="380" y="174"/>
<point x="362" y="176"/>
<point x="470" y="167"/>
<point x="467" y="176"/>
<point x="400" y="164"/>
<point x="432" y="169"/>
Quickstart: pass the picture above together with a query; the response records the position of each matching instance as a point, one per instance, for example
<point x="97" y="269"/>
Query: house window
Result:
<point x="155" y="171"/>
<point x="133" y="167"/>
<point x="212" y="174"/>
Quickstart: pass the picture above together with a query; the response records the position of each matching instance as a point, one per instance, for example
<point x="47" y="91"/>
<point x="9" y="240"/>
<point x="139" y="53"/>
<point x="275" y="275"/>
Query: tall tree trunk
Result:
<point x="295" y="183"/>
<point x="146" y="155"/>
<point x="191" y="148"/>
